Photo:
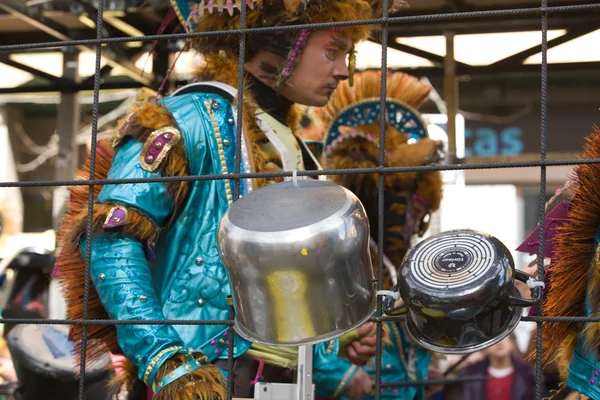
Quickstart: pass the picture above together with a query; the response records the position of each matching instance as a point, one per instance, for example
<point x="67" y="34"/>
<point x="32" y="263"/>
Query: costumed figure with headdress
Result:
<point x="574" y="282"/>
<point x="154" y="253"/>
<point x="351" y="139"/>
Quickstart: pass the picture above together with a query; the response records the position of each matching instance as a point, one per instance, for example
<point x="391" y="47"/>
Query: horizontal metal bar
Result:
<point x="378" y="21"/>
<point x="350" y="171"/>
<point x="396" y="318"/>
<point x="70" y="87"/>
<point x="29" y="321"/>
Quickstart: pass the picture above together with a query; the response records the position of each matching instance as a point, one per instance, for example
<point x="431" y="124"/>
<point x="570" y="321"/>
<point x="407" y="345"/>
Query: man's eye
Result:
<point x="331" y="54"/>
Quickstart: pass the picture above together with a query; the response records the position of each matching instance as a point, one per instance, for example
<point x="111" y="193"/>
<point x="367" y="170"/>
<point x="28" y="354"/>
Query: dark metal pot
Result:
<point x="458" y="292"/>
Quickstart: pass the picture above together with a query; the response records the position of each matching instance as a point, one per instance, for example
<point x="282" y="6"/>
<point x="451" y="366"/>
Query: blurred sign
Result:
<point x="567" y="126"/>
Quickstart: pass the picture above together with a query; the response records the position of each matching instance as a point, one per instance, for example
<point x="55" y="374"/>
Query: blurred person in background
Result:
<point x="509" y="376"/>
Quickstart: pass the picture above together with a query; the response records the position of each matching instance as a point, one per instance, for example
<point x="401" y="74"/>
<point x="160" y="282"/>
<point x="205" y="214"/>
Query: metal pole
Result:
<point x="66" y="162"/>
<point x="67" y="127"/>
<point x="304" y="387"/>
<point x="451" y="95"/>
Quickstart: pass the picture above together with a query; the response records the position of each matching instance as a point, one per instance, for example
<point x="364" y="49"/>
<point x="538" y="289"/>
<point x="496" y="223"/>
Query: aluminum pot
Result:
<point x="298" y="258"/>
<point x="457" y="289"/>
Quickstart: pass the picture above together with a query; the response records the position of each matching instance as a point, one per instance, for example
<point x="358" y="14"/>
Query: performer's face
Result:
<point x="322" y="64"/>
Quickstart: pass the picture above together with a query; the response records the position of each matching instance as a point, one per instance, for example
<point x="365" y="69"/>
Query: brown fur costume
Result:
<point x="575" y="262"/>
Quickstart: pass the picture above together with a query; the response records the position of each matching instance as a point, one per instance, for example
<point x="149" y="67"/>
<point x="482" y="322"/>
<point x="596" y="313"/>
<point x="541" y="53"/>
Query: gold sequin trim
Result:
<point x="155" y="360"/>
<point x="330" y="347"/>
<point x="152" y="165"/>
<point x="344" y="380"/>
<point x="215" y="125"/>
<point x="118" y="137"/>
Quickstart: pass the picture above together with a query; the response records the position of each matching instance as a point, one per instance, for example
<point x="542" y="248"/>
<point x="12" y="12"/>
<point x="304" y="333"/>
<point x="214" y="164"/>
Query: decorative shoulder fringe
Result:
<point x="571" y="265"/>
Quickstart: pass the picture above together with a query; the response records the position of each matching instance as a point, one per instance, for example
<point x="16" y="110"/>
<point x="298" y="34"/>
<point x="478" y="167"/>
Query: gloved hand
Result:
<point x="360" y="345"/>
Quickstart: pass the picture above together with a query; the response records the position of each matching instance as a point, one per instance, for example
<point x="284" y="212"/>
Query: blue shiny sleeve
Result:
<point x="121" y="276"/>
<point x="331" y="379"/>
<point x="150" y="198"/>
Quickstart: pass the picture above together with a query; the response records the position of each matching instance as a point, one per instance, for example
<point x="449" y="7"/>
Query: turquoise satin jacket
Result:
<point x="187" y="279"/>
<point x="333" y="378"/>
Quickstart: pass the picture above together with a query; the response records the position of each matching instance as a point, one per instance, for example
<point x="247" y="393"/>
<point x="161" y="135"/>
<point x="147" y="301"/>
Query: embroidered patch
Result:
<point x="157" y="147"/>
<point x="124" y="130"/>
<point x="117" y="216"/>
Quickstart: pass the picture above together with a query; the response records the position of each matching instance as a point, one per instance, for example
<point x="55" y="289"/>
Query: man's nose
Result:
<point x="341" y="71"/>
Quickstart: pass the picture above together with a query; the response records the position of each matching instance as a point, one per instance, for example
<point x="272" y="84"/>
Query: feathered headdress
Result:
<point x="351" y="140"/>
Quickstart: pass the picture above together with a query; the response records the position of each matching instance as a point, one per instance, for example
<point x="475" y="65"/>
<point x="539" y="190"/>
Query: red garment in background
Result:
<point x="500" y="388"/>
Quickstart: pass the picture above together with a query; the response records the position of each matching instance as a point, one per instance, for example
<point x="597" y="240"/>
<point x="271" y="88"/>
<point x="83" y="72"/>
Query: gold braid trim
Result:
<point x="222" y="159"/>
<point x="155" y="360"/>
<point x="345" y="379"/>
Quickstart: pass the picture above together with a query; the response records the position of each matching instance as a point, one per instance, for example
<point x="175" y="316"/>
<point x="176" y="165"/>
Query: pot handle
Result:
<point x="533" y="284"/>
<point x="392" y="304"/>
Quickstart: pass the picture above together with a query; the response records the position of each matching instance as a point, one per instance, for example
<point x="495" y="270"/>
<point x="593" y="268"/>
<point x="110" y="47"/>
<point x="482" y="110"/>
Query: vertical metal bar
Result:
<point x="380" y="191"/>
<point x="240" y="100"/>
<point x="88" y="247"/>
<point x="304" y="386"/>
<point x="237" y="186"/>
<point x="544" y="119"/>
<point x="230" y="350"/>
<point x="67" y="127"/>
<point x="451" y="95"/>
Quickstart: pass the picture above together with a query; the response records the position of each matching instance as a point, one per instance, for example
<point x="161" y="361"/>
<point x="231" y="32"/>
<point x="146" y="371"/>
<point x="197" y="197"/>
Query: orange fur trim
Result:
<point x="152" y="116"/>
<point x="206" y="383"/>
<point x="71" y="273"/>
<point x="70" y="267"/>
<point x="574" y="249"/>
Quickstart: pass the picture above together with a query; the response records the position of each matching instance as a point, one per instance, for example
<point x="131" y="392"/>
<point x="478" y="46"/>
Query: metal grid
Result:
<point x="544" y="11"/>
